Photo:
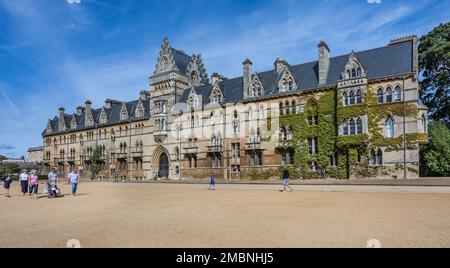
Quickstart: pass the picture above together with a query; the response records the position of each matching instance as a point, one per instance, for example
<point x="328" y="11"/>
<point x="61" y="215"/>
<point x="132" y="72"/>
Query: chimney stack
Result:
<point x="61" y="112"/>
<point x="79" y="111"/>
<point x="280" y="64"/>
<point x="247" y="76"/>
<point x="215" y="77"/>
<point x="88" y="104"/>
<point x="324" y="62"/>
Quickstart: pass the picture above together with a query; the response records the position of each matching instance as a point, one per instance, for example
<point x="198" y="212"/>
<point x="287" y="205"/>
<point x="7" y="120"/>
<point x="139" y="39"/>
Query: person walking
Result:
<point x="34" y="183"/>
<point x="73" y="180"/>
<point x="6" y="184"/>
<point x="286" y="181"/>
<point x="52" y="177"/>
<point x="212" y="182"/>
<point x="23" y="178"/>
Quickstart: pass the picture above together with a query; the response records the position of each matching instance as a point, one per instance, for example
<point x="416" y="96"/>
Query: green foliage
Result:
<point x="351" y="149"/>
<point x="9" y="169"/>
<point x="2" y="157"/>
<point x="434" y="65"/>
<point x="96" y="161"/>
<point x="437" y="153"/>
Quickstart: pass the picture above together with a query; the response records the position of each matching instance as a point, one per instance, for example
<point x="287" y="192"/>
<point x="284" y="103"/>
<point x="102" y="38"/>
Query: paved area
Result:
<point x="174" y="215"/>
<point x="316" y="188"/>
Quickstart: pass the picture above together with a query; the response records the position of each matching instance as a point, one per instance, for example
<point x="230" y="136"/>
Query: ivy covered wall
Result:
<point x="328" y="113"/>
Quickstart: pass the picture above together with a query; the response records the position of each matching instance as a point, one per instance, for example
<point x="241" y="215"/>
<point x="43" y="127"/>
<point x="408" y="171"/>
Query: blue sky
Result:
<point x="54" y="53"/>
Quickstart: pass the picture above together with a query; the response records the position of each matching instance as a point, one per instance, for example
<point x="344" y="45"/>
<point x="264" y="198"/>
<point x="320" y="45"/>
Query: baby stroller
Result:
<point x="53" y="191"/>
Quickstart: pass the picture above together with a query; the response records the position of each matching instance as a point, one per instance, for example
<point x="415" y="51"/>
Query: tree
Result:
<point x="96" y="161"/>
<point x="9" y="169"/>
<point x="437" y="153"/>
<point x="434" y="67"/>
<point x="2" y="157"/>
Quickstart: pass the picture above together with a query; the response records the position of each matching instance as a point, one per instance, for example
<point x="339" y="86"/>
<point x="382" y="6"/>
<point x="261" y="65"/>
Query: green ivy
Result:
<point x="331" y="113"/>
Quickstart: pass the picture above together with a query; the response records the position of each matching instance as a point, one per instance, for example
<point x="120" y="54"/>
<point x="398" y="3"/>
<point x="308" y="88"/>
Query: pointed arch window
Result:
<point x="358" y="72"/>
<point x="424" y="124"/>
<point x="353" y="73"/>
<point x="294" y="107"/>
<point x="359" y="126"/>
<point x="388" y="94"/>
<point x="287" y="107"/>
<point x="281" y="108"/>
<point x="358" y="96"/>
<point x="352" y="127"/>
<point x="398" y="93"/>
<point x="345" y="127"/>
<point x="283" y="134"/>
<point x="373" y="160"/>
<point x="379" y="157"/>
<point x="389" y="128"/>
<point x="352" y="97"/>
<point x="344" y="99"/>
<point x="348" y="74"/>
<point x="380" y="95"/>
<point x="290" y="134"/>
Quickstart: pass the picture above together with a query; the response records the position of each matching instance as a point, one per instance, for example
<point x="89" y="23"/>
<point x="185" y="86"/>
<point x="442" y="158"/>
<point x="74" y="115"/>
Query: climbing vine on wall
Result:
<point x="351" y="149"/>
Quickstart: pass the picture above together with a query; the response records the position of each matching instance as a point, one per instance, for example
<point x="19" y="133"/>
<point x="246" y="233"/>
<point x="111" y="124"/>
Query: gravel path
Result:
<point x="163" y="215"/>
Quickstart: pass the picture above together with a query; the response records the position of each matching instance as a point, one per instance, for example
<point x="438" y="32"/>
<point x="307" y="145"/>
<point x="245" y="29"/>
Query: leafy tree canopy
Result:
<point x="434" y="57"/>
<point x="9" y="169"/>
<point x="437" y="153"/>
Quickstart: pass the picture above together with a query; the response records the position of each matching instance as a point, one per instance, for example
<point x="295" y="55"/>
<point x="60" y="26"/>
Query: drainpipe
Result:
<point x="225" y="167"/>
<point x="404" y="130"/>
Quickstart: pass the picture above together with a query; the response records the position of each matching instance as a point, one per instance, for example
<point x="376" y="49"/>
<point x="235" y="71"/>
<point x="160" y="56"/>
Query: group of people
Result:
<point x="29" y="183"/>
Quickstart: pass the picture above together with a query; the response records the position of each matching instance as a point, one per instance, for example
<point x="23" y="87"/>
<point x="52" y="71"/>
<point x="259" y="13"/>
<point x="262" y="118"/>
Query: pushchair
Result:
<point x="53" y="191"/>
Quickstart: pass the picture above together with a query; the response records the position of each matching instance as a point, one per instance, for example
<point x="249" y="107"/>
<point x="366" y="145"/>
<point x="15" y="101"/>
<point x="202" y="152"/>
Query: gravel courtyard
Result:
<point x="162" y="215"/>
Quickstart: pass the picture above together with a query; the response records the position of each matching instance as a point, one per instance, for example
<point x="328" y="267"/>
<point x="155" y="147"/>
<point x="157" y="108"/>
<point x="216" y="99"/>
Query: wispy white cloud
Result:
<point x="70" y="74"/>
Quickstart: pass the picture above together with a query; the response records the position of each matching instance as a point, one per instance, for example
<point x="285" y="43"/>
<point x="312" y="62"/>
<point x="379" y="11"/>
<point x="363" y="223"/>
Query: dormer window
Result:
<point x="216" y="97"/>
<point x="103" y="118"/>
<point x="256" y="90"/>
<point x="353" y="68"/>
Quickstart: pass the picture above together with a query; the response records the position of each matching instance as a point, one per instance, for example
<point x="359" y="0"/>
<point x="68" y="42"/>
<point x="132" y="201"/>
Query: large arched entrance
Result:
<point x="161" y="162"/>
<point x="163" y="166"/>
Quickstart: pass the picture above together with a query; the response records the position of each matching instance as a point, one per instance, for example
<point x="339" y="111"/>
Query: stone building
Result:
<point x="351" y="116"/>
<point x="36" y="155"/>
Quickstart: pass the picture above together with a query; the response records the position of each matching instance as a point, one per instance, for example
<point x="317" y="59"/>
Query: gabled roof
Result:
<point x="113" y="115"/>
<point x="394" y="59"/>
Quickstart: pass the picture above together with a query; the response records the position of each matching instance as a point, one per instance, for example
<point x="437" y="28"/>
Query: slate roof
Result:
<point x="394" y="59"/>
<point x="181" y="60"/>
<point x="380" y="62"/>
<point x="113" y="115"/>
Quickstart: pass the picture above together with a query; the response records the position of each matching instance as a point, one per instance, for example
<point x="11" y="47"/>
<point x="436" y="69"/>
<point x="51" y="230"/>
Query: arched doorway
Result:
<point x="163" y="166"/>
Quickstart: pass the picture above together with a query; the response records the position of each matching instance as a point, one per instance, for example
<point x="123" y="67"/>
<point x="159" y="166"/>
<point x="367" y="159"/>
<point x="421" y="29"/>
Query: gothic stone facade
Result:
<point x="351" y="116"/>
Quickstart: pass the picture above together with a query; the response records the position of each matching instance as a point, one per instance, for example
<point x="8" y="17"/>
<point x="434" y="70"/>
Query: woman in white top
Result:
<point x="24" y="181"/>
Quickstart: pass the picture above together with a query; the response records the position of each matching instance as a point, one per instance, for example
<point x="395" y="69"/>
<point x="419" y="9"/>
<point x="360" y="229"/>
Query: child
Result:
<point x="286" y="181"/>
<point x="212" y="182"/>
<point x="6" y="184"/>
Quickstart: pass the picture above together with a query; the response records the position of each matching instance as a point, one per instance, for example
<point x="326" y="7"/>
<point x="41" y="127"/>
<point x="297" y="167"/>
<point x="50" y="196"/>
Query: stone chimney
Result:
<point x="108" y="103"/>
<point x="280" y="64"/>
<point x="61" y="112"/>
<point x="247" y="76"/>
<point x="62" y="122"/>
<point x="79" y="111"/>
<point x="324" y="63"/>
<point x="88" y="105"/>
<point x="215" y="77"/>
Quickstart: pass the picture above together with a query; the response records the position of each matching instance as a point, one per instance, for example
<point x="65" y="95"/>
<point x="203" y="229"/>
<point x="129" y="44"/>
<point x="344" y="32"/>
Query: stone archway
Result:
<point x="161" y="162"/>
